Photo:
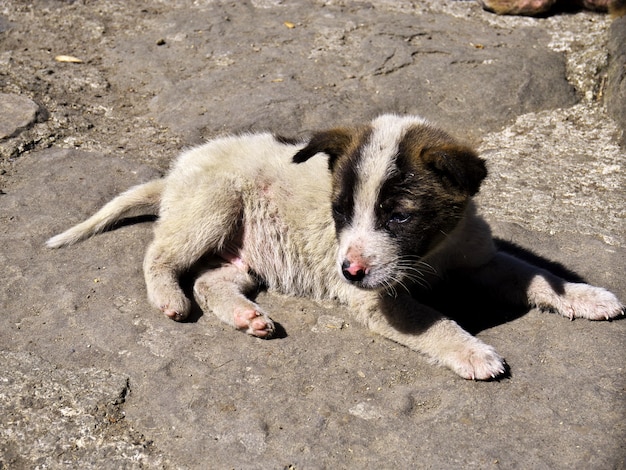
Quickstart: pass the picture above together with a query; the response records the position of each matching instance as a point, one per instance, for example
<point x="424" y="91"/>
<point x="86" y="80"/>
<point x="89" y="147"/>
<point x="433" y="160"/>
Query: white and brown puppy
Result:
<point x="386" y="208"/>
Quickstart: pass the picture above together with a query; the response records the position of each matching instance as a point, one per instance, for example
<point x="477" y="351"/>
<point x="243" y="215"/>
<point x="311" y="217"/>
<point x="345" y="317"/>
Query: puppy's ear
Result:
<point x="458" y="166"/>
<point x="334" y="143"/>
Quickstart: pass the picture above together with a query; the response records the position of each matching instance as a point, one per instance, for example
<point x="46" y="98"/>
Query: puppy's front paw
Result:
<point x="478" y="361"/>
<point x="254" y="322"/>
<point x="585" y="301"/>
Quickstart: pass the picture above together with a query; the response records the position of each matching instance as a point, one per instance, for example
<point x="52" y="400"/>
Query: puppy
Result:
<point x="361" y="215"/>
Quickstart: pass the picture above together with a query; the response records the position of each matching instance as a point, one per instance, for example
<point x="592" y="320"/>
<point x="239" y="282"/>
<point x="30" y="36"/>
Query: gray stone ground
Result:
<point x="92" y="377"/>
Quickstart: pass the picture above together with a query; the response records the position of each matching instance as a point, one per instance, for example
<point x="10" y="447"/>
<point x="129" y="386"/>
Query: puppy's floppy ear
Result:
<point x="459" y="166"/>
<point x="333" y="142"/>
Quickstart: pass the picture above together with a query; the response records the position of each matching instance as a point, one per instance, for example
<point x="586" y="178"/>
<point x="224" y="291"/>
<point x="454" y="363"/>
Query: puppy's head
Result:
<point x="399" y="187"/>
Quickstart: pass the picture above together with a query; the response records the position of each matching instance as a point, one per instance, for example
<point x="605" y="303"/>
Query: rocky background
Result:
<point x="98" y="96"/>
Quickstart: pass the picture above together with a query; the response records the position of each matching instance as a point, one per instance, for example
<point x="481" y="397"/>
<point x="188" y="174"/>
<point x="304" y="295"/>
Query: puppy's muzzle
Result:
<point x="353" y="271"/>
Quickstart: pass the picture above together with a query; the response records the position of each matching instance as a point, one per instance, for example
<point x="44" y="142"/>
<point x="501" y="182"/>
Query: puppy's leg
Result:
<point x="423" y="329"/>
<point x="188" y="229"/>
<point x="520" y="282"/>
<point x="223" y="291"/>
<point x="162" y="269"/>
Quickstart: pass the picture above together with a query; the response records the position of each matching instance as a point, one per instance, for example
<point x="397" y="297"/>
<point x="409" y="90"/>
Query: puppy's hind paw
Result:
<point x="176" y="310"/>
<point x="254" y="322"/>
<point x="479" y="361"/>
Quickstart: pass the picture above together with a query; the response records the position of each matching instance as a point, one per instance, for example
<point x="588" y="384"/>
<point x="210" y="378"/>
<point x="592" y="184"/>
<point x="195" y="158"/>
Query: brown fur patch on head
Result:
<point x="458" y="166"/>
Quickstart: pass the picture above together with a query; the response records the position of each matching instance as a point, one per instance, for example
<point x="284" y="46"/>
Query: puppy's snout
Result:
<point x="354" y="271"/>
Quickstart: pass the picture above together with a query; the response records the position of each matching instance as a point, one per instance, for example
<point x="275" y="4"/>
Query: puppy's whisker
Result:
<point x="429" y="267"/>
<point x="403" y="273"/>
<point x="403" y="285"/>
<point x="391" y="289"/>
<point x="391" y="283"/>
<point x="416" y="260"/>
<point x="411" y="272"/>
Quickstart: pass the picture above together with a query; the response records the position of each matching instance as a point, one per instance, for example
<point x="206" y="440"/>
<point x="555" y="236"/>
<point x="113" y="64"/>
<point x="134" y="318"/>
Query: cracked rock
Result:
<point x="17" y="113"/>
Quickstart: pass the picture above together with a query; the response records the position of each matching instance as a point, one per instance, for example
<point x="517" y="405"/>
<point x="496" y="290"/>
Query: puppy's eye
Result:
<point x="399" y="218"/>
<point x="338" y="212"/>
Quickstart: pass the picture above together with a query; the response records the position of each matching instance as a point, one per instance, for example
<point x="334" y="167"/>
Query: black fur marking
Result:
<point x="412" y="212"/>
<point x="344" y="182"/>
<point x="343" y="200"/>
<point x="334" y="143"/>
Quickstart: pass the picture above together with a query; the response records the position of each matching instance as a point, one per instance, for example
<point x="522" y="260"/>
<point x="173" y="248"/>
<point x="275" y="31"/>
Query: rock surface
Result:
<point x="17" y="114"/>
<point x="74" y="423"/>
<point x="616" y="92"/>
<point x="92" y="377"/>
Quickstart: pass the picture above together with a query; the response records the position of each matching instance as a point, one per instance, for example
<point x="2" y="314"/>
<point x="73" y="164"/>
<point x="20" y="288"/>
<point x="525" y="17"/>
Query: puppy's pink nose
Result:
<point x="353" y="272"/>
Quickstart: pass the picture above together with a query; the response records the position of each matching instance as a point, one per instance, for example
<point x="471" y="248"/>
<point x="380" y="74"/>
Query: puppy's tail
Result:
<point x="137" y="201"/>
